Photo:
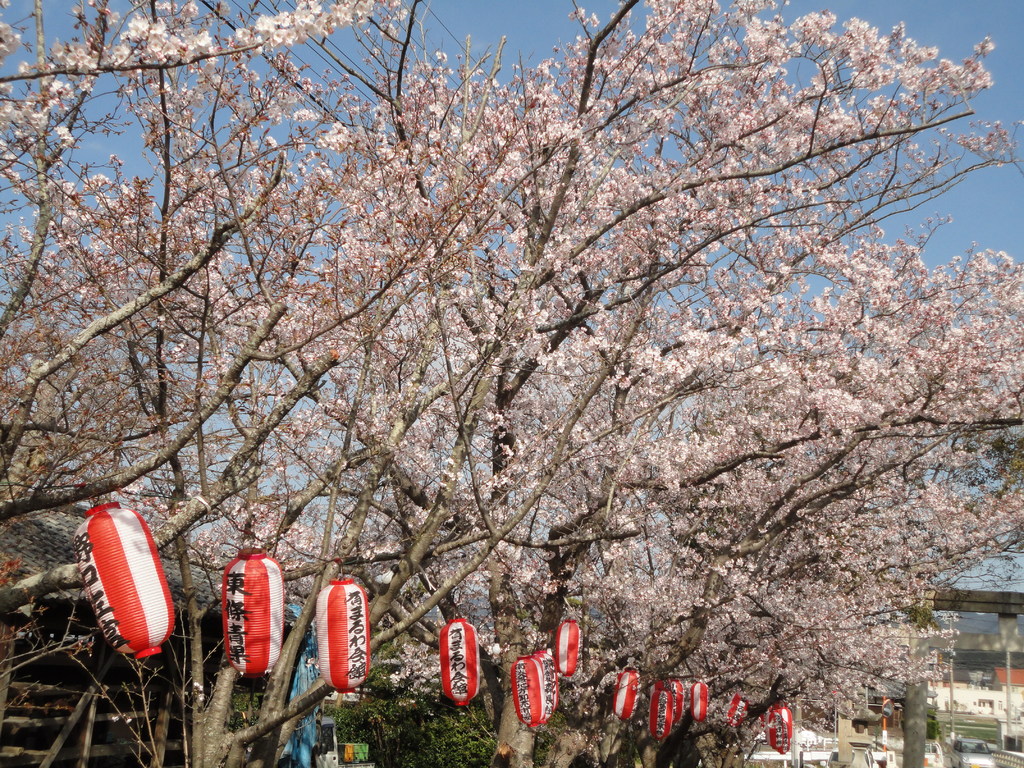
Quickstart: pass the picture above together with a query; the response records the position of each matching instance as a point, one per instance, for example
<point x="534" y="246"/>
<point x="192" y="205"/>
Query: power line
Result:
<point x="326" y="42"/>
<point x="327" y="110"/>
<point x="444" y="26"/>
<point x="360" y="78"/>
<point x="339" y="52"/>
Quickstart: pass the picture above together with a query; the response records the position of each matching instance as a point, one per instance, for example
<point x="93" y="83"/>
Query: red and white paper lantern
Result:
<point x="528" y="690"/>
<point x="343" y="634"/>
<point x="627" y="684"/>
<point x="661" y="719"/>
<point x="460" y="661"/>
<point x="737" y="712"/>
<point x="699" y="701"/>
<point x="787" y="716"/>
<point x="678" y="699"/>
<point x="547" y="664"/>
<point x="124" y="579"/>
<point x="252" y="606"/>
<point x="567" y="647"/>
<point x="780" y="728"/>
<point x="768" y="723"/>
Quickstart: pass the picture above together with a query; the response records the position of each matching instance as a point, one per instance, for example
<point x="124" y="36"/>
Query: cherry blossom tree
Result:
<point x="618" y="333"/>
<point x="794" y="382"/>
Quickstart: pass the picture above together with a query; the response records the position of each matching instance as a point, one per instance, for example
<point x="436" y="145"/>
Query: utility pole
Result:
<point x="1009" y="685"/>
<point x="794" y="745"/>
<point x="952" y="699"/>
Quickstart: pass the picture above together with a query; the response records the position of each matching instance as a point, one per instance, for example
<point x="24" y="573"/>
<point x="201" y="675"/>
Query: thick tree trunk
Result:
<point x="915" y="724"/>
<point x="567" y="747"/>
<point x="611" y="744"/>
<point x="717" y="753"/>
<point x="649" y="754"/>
<point x="515" y="740"/>
<point x="679" y="750"/>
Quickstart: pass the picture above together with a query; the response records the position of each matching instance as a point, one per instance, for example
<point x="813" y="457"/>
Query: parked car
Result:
<point x="933" y="755"/>
<point x="971" y="753"/>
<point x="833" y="760"/>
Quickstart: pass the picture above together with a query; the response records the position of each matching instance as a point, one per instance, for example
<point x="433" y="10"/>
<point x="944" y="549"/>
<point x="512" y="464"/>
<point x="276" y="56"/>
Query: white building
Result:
<point x="982" y="693"/>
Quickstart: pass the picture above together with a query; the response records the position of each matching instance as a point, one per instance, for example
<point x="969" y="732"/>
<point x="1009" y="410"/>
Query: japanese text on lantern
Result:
<point x="662" y="715"/>
<point x="236" y="615"/>
<point x="457" y="660"/>
<point x="357" y="634"/>
<point x="108" y="625"/>
<point x="523" y="693"/>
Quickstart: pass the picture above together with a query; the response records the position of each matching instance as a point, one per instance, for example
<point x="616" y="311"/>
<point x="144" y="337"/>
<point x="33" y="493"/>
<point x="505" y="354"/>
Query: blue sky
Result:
<point x="987" y="210"/>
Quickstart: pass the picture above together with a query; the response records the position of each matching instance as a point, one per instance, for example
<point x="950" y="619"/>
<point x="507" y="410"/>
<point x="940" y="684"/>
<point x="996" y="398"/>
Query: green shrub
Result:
<point x="414" y="731"/>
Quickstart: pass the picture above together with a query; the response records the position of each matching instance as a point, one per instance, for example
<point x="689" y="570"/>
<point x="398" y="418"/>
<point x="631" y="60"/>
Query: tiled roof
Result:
<point x="39" y="541"/>
<point x="1016" y="676"/>
<point x="42" y="541"/>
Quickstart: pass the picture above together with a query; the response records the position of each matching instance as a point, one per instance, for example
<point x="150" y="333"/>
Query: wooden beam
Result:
<point x="87" y="698"/>
<point x="85" y="737"/>
<point x="163" y="725"/>
<point x="75" y="716"/>
<point x="10" y="757"/>
<point x="6" y="663"/>
<point x="22" y="723"/>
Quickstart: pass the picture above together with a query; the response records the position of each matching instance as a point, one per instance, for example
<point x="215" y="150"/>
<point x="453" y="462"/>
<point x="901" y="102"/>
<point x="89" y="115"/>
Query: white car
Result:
<point x="833" y="760"/>
<point x="971" y="753"/>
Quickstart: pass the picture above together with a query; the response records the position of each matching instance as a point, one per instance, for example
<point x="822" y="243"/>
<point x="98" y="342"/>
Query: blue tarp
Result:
<point x="298" y="752"/>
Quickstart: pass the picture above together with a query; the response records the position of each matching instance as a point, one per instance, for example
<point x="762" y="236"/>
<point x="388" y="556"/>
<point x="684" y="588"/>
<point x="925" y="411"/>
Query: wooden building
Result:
<point x="66" y="697"/>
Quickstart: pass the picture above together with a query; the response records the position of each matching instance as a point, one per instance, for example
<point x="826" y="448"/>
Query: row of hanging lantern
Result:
<point x="534" y="682"/>
<point x="125" y="583"/>
<point x="534" y="677"/>
<point x="668" y="704"/>
<point x="668" y="701"/>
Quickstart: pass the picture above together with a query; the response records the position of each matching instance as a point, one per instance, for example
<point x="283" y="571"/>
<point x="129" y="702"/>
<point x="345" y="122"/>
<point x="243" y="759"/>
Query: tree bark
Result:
<point x="515" y="740"/>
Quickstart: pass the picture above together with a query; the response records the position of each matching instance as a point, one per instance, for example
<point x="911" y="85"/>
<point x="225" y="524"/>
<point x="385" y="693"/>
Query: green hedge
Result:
<point x="407" y="731"/>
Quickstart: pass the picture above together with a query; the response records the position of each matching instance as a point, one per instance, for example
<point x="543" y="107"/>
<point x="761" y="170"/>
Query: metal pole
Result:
<point x="952" y="701"/>
<point x="1006" y="734"/>
<point x="794" y="747"/>
<point x="835" y="718"/>
<point x="885" y="729"/>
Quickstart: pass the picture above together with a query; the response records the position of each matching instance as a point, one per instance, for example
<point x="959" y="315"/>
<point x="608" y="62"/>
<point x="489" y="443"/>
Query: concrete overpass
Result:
<point x="1006" y="605"/>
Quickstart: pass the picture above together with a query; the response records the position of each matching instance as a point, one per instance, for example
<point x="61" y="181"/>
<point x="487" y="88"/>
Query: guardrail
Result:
<point x="1005" y="759"/>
